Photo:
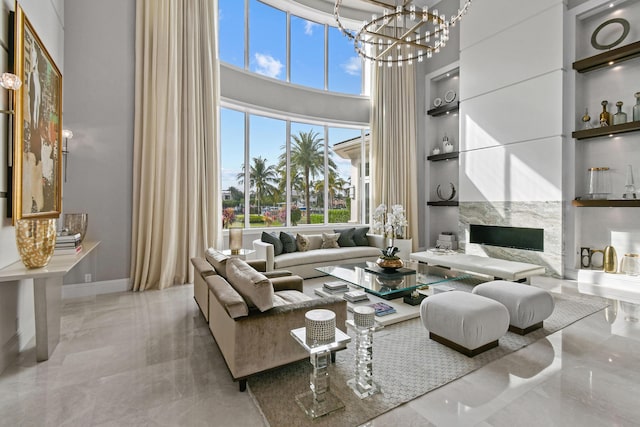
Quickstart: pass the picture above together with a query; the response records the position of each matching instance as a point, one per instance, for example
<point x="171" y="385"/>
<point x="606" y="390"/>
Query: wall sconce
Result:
<point x="67" y="135"/>
<point x="10" y="82"/>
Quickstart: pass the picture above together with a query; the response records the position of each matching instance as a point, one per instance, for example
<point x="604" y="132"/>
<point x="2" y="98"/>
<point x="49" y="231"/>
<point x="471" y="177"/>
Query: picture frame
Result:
<point x="37" y="126"/>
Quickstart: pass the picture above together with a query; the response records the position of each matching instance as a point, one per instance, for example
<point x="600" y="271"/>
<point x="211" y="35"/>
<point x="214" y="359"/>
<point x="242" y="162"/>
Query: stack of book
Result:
<point x="335" y="287"/>
<point x="68" y="244"/>
<point x="356" y="296"/>
<point x="382" y="309"/>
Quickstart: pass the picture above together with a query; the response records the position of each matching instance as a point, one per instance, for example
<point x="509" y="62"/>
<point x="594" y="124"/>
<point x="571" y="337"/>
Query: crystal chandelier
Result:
<point x="403" y="33"/>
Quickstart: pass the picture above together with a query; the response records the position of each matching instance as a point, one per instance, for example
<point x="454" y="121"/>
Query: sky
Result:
<point x="267" y="56"/>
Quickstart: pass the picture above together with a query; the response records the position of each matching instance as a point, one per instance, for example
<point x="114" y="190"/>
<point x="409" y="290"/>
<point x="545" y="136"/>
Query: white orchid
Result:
<point x="391" y="224"/>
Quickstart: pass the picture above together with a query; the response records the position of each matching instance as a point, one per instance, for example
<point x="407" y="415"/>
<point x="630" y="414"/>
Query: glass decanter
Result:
<point x="586" y="119"/>
<point x="620" y="116"/>
<point x="636" y="108"/>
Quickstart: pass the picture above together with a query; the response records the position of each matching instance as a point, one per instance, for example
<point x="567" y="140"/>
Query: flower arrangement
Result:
<point x="228" y="216"/>
<point x="391" y="225"/>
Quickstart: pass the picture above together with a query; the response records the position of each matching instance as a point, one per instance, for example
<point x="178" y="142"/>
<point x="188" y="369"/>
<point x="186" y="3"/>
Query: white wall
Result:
<point x="17" y="326"/>
<point x="99" y="109"/>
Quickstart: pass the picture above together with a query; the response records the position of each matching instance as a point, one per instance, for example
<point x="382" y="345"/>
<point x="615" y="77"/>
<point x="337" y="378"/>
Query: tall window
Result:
<point x="307" y="53"/>
<point x="231" y="32"/>
<point x="323" y="164"/>
<point x="267" y="40"/>
<point x="232" y="159"/>
<point x="268" y="50"/>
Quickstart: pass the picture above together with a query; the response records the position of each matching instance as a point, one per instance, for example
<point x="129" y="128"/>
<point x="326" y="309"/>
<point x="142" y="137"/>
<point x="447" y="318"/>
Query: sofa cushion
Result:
<point x="218" y="260"/>
<point x="346" y="237"/>
<point x="360" y="236"/>
<point x="274" y="240"/>
<point x="330" y="240"/>
<point x="318" y="256"/>
<point x="288" y="242"/>
<point x="254" y="287"/>
<point x="315" y="241"/>
<point x="289" y="297"/>
<point x="302" y="242"/>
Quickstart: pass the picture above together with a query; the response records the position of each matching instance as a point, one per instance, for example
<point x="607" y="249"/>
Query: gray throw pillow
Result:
<point x="360" y="236"/>
<point x="302" y="242"/>
<point x="254" y="286"/>
<point x="288" y="242"/>
<point x="330" y="240"/>
<point x="274" y="240"/>
<point x="346" y="237"/>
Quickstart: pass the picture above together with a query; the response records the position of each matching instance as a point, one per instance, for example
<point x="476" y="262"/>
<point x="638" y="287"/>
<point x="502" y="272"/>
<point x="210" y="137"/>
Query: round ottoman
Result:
<point x="528" y="306"/>
<point x="463" y="321"/>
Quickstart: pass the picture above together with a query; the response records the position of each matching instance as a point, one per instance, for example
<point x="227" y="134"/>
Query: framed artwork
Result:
<point x="37" y="140"/>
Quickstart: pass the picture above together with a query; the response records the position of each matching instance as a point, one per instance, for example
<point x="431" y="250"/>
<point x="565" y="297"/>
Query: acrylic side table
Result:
<point x="319" y="400"/>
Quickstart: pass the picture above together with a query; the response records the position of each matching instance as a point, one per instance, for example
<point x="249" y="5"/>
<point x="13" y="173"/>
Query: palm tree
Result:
<point x="262" y="179"/>
<point x="307" y="156"/>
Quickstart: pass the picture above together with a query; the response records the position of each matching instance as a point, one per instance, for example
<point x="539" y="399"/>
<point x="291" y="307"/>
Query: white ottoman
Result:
<point x="528" y="306"/>
<point x="463" y="321"/>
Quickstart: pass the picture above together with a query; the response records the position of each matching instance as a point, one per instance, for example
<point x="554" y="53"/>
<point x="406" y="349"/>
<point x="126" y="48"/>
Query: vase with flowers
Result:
<point x="392" y="225"/>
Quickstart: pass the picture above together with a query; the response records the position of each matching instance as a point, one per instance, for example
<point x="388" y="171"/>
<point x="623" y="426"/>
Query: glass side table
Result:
<point x="319" y="400"/>
<point x="244" y="254"/>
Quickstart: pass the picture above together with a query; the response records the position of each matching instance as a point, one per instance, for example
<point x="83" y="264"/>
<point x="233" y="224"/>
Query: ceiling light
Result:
<point x="401" y="32"/>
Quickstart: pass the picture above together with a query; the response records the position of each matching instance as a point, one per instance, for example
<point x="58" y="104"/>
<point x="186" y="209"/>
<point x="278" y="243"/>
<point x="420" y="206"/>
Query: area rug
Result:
<point x="407" y="364"/>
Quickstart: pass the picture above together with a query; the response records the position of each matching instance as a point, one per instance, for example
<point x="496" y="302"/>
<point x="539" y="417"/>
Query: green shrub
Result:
<point x="339" y="215"/>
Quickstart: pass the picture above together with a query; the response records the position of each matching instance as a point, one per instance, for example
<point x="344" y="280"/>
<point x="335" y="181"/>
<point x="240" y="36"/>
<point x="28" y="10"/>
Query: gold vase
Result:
<point x="36" y="240"/>
<point x="389" y="263"/>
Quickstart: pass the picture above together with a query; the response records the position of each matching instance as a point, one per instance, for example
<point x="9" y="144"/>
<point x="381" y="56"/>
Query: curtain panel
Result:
<point x="393" y="141"/>
<point x="176" y="208"/>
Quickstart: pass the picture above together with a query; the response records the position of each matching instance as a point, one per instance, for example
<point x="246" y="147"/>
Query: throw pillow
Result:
<point x="254" y="286"/>
<point x="346" y="237"/>
<point x="330" y="240"/>
<point x="218" y="260"/>
<point x="288" y="242"/>
<point x="302" y="242"/>
<point x="360" y="236"/>
<point x="274" y="240"/>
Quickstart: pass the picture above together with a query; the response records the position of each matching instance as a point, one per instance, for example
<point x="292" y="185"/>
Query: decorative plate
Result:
<point x="449" y="96"/>
<point x="437" y="102"/>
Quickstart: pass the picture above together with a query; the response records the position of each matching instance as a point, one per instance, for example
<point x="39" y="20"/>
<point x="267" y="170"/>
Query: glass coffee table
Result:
<point x="367" y="275"/>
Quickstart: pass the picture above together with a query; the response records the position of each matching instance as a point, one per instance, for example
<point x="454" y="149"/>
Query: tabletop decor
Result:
<point x="37" y="148"/>
<point x="76" y="223"/>
<point x="391" y="225"/>
<point x="36" y="240"/>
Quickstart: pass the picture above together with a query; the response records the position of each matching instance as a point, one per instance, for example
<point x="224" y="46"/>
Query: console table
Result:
<point x="47" y="294"/>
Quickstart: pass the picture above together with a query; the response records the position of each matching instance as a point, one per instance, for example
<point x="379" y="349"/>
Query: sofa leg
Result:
<point x="243" y="385"/>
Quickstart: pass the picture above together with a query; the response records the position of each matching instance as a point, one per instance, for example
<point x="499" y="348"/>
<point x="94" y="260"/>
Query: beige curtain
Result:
<point x="393" y="141"/>
<point x="176" y="208"/>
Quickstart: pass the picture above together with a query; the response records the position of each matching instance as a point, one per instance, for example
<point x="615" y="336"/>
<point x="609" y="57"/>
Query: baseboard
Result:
<point x="95" y="288"/>
<point x="9" y="352"/>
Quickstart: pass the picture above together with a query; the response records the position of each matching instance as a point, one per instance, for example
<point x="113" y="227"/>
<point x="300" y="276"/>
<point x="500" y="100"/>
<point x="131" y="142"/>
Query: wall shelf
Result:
<point x="444" y="109"/>
<point x="606" y="131"/>
<point x="617" y="203"/>
<point x="444" y="203"/>
<point x="444" y="156"/>
<point x="605" y="59"/>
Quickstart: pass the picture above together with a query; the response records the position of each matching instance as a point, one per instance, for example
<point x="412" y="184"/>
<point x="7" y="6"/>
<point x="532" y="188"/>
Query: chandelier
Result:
<point x="403" y="33"/>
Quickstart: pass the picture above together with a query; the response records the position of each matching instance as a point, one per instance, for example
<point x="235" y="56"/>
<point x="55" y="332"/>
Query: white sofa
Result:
<point x="304" y="264"/>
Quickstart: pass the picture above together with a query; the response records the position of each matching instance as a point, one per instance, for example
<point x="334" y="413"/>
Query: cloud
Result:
<point x="267" y="65"/>
<point x="353" y="66"/>
<point x="309" y="26"/>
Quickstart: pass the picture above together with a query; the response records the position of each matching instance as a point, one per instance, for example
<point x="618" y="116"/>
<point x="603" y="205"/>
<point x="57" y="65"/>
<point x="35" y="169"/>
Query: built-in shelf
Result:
<point x="614" y="56"/>
<point x="444" y="109"/>
<point x="607" y="130"/>
<point x="443" y="203"/>
<point x="618" y="203"/>
<point x="443" y="156"/>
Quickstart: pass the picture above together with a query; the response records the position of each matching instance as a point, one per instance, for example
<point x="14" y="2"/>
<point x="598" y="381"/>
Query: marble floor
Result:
<point x="148" y="359"/>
